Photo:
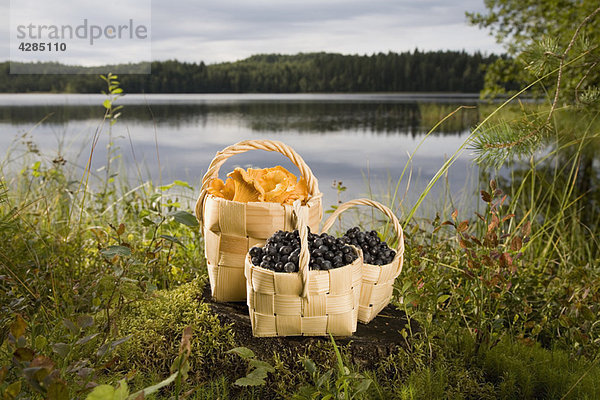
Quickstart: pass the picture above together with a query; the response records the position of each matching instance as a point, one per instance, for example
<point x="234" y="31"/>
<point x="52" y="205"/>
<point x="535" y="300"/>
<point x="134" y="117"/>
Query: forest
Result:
<point x="416" y="71"/>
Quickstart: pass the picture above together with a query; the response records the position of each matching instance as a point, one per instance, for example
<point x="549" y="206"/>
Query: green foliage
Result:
<point x="539" y="36"/>
<point x="467" y="280"/>
<point x="71" y="260"/>
<point x="107" y="392"/>
<point x="113" y="92"/>
<point x="334" y="384"/>
<point x="257" y="370"/>
<point x="121" y="392"/>
<point x="179" y="369"/>
<point x="45" y="366"/>
<point x="556" y="47"/>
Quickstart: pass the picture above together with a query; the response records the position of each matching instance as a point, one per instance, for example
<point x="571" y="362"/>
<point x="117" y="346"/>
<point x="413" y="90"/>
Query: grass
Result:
<point x="100" y="280"/>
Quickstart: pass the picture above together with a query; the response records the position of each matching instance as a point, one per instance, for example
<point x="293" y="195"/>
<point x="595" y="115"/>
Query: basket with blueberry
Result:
<point x="381" y="266"/>
<point x="301" y="283"/>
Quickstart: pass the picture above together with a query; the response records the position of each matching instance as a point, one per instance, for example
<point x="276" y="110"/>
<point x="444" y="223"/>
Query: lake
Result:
<point x="362" y="140"/>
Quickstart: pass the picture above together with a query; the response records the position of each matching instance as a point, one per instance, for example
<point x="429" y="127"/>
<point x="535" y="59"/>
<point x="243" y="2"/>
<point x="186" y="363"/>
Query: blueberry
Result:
<point x="255" y="252"/>
<point x="255" y="260"/>
<point x="289" y="267"/>
<point x="279" y="267"/>
<point x="265" y="264"/>
<point x="285" y="250"/>
<point x="271" y="250"/>
<point x="329" y="255"/>
<point x="326" y="265"/>
<point x="318" y="242"/>
<point x="348" y="258"/>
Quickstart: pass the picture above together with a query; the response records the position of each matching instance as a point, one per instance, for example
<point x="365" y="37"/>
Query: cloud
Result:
<point x="231" y="30"/>
<point x="228" y="30"/>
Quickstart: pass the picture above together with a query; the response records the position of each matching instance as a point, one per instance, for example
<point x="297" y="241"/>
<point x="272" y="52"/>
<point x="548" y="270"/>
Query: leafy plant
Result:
<point x="257" y="369"/>
<point x="45" y="366"/>
<point x="340" y="383"/>
<point x="179" y="369"/>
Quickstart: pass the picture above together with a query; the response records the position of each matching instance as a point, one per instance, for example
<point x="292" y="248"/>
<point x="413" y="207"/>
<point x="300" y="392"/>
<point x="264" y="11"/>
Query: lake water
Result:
<point x="346" y="137"/>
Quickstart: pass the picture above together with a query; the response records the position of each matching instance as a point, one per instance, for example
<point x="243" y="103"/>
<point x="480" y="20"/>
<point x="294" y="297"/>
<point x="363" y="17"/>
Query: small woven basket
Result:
<point x="307" y="303"/>
<point x="377" y="280"/>
<point x="231" y="228"/>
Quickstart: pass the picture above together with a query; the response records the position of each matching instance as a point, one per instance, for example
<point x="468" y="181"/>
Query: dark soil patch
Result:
<point x="369" y="344"/>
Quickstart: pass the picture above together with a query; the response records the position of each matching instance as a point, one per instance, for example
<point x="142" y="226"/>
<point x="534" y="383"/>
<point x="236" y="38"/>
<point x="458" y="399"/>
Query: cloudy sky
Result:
<point x="228" y="30"/>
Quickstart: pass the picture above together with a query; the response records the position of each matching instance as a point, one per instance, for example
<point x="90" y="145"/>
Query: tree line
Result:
<point x="416" y="71"/>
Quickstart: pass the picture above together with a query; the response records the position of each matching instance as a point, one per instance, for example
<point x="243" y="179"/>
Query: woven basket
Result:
<point x="378" y="280"/>
<point x="308" y="303"/>
<point x="230" y="228"/>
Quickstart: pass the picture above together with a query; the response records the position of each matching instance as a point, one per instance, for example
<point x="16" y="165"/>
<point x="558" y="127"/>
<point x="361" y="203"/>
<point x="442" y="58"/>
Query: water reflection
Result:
<point x="319" y="116"/>
<point x="352" y="138"/>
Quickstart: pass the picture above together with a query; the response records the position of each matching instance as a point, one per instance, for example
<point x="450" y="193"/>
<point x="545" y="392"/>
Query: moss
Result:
<point x="156" y="325"/>
<point x="531" y="372"/>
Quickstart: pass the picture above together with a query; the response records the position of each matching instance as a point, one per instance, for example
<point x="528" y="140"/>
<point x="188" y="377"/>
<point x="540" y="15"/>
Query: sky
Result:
<point x="229" y="30"/>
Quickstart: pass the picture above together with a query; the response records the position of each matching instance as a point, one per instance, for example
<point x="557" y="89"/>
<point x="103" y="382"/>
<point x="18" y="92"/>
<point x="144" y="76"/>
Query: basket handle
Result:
<point x="301" y="214"/>
<point x="375" y="204"/>
<point x="244" y="146"/>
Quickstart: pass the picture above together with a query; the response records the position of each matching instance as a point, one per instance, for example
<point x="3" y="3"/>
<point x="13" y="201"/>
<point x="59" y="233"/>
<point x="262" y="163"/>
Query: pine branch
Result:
<point x="503" y="141"/>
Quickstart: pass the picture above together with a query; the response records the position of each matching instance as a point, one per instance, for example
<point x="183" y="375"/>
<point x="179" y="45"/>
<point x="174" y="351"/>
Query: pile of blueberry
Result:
<point x="282" y="251"/>
<point x="375" y="251"/>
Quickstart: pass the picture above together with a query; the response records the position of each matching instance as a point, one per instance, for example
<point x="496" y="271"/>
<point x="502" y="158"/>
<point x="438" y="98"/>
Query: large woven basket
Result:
<point x="378" y="280"/>
<point x="308" y="303"/>
<point x="230" y="228"/>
